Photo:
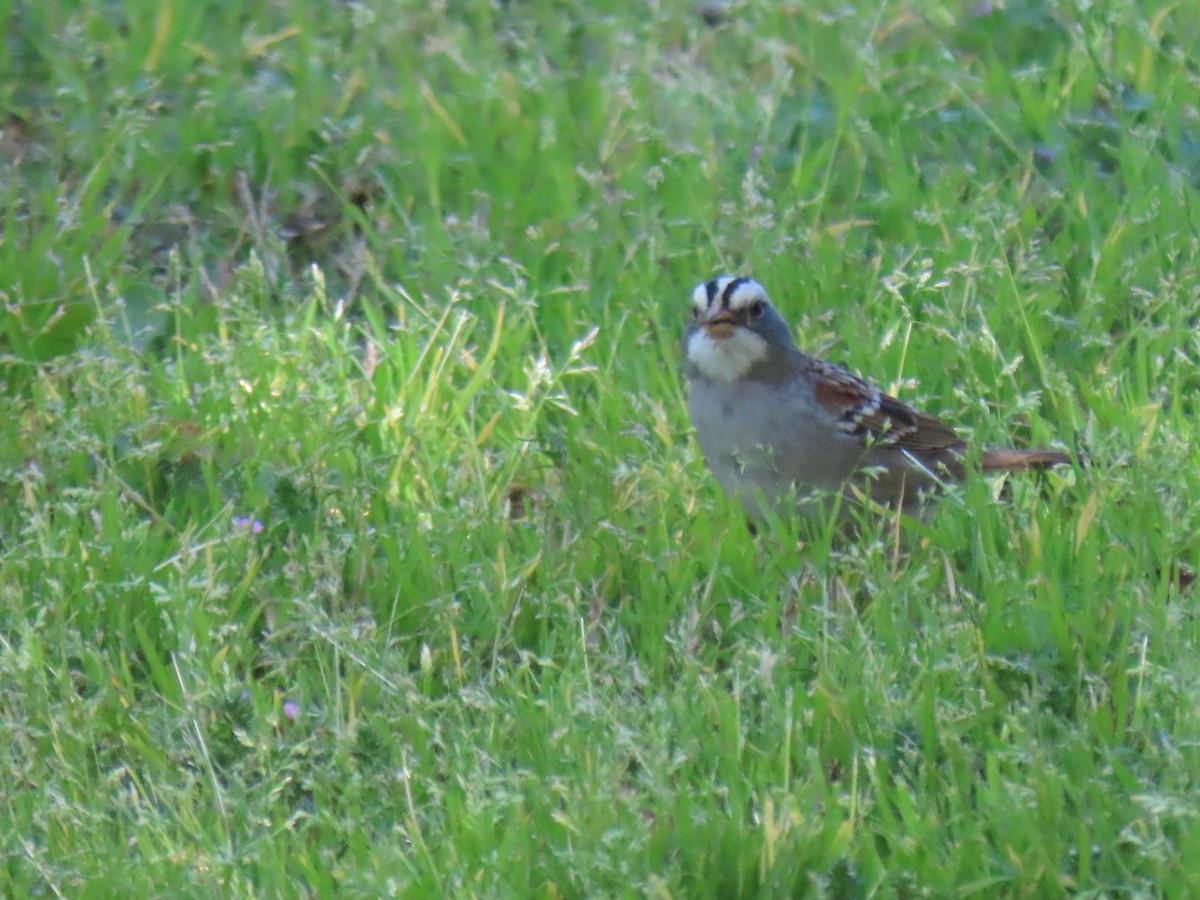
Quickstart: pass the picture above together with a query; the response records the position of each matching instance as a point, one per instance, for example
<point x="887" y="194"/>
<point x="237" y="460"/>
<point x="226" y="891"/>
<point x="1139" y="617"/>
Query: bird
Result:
<point x="774" y="422"/>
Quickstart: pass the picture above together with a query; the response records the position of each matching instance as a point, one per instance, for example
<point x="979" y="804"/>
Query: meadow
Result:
<point x="353" y="538"/>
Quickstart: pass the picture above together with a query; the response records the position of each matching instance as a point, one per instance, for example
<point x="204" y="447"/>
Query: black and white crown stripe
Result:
<point x="733" y="293"/>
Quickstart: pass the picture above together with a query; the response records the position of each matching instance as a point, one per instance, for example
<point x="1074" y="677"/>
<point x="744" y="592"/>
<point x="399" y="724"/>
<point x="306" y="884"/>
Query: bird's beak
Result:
<point x="720" y="324"/>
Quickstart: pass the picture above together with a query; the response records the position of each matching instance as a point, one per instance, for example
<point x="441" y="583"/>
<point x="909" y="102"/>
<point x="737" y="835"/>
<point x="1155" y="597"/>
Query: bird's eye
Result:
<point x="757" y="309"/>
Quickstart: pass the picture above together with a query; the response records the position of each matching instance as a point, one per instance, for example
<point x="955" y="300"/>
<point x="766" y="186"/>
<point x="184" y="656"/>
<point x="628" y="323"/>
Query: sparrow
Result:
<point x="772" y="420"/>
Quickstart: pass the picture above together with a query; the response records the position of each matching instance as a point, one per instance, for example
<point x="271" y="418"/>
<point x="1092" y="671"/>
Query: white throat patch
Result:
<point x="728" y="358"/>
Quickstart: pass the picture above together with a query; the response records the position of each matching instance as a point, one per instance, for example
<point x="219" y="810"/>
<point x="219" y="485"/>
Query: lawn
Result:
<point x="354" y="541"/>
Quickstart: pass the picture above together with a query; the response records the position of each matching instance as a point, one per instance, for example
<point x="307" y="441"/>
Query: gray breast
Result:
<point x="761" y="437"/>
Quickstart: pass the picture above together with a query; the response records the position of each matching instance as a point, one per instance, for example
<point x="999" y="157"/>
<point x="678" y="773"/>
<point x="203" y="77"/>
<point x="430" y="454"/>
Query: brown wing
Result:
<point x="878" y="418"/>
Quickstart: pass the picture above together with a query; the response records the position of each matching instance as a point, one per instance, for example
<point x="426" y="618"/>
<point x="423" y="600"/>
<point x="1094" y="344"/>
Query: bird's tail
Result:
<point x="1022" y="460"/>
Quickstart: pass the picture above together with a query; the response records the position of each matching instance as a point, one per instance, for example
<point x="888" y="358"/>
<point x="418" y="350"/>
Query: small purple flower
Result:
<point x="254" y="526"/>
<point x="291" y="710"/>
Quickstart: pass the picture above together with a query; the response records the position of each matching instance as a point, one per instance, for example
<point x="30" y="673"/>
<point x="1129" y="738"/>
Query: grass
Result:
<point x="354" y="539"/>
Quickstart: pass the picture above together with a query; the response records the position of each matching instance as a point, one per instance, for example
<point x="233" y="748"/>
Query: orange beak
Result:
<point x="720" y="325"/>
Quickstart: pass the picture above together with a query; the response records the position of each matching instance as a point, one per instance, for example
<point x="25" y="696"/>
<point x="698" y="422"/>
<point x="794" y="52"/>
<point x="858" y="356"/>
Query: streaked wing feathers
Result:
<point x="876" y="417"/>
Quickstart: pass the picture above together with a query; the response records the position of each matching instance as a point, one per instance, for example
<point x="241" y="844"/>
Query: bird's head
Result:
<point x="734" y="328"/>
